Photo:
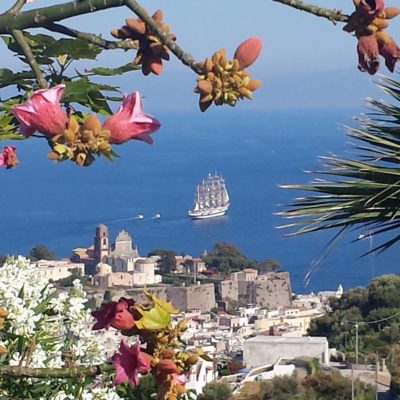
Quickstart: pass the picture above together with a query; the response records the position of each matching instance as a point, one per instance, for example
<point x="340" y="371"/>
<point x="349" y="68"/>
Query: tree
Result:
<point x="225" y="258"/>
<point x="167" y="262"/>
<point x="41" y="252"/>
<point x="216" y="391"/>
<point x="268" y="266"/>
<point x="3" y="259"/>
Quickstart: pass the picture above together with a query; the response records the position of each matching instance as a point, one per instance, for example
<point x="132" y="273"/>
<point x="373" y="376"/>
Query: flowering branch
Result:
<point x="70" y="372"/>
<point x="30" y="58"/>
<point x="91" y="38"/>
<point x="333" y="15"/>
<point x="41" y="16"/>
<point x="186" y="58"/>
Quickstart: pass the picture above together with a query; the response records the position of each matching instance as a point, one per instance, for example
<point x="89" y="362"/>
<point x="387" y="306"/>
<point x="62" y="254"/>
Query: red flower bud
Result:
<point x="248" y="51"/>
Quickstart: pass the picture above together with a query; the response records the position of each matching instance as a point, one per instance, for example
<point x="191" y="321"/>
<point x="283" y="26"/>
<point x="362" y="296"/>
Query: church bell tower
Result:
<point x="101" y="244"/>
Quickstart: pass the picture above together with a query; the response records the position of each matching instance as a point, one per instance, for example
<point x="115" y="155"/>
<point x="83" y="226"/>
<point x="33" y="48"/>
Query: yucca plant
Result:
<point x="362" y="193"/>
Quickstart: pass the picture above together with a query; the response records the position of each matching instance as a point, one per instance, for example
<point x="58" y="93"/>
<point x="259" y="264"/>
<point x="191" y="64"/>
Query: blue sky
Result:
<point x="306" y="62"/>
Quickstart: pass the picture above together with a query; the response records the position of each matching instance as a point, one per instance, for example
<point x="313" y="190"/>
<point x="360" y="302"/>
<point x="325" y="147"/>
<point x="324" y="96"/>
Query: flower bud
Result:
<point x="248" y="51"/>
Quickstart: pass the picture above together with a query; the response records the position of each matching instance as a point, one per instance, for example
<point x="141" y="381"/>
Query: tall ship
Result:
<point x="211" y="198"/>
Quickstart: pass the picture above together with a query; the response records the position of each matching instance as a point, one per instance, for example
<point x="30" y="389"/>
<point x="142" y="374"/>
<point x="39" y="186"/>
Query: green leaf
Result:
<point x="153" y="320"/>
<point x="8" y="77"/>
<point x="103" y="71"/>
<point x="88" y="94"/>
<point x="76" y="48"/>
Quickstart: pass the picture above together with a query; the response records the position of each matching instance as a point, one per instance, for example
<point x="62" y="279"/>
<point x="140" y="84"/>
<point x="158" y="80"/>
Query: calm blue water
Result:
<point x="60" y="204"/>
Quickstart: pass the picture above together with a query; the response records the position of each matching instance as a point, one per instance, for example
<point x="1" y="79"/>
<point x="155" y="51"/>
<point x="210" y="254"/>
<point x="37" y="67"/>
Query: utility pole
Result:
<point x="356" y="326"/>
<point x="352" y="382"/>
<point x="376" y="375"/>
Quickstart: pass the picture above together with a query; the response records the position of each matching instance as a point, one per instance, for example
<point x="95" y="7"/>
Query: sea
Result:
<point x="59" y="205"/>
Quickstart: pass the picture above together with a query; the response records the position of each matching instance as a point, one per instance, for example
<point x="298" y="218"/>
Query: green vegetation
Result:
<point x="216" y="391"/>
<point x="318" y="386"/>
<point x="147" y="389"/>
<point x="167" y="262"/>
<point x="40" y="252"/>
<point x="376" y="309"/>
<point x="379" y="301"/>
<point x="226" y="258"/>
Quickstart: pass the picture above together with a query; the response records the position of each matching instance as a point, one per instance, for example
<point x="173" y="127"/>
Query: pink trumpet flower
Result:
<point x="8" y="158"/>
<point x="42" y="112"/>
<point x="368" y="54"/>
<point x="128" y="362"/>
<point x="115" y="314"/>
<point x="130" y="122"/>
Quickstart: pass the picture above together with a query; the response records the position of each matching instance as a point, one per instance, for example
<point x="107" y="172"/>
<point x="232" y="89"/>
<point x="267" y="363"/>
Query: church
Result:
<point x="117" y="265"/>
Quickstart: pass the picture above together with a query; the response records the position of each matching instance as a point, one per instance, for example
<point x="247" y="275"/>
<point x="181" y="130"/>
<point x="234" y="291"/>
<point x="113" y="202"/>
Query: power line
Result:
<point x="372" y="322"/>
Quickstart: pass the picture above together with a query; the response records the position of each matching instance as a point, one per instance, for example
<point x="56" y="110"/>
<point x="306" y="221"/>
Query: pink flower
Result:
<point x="115" y="314"/>
<point x="128" y="362"/>
<point x="8" y="158"/>
<point x="368" y="55"/>
<point x="42" y="112"/>
<point x="130" y="122"/>
<point x="390" y="52"/>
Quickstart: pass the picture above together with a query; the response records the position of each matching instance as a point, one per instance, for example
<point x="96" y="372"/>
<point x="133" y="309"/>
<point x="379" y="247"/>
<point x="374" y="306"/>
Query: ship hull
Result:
<point x="205" y="214"/>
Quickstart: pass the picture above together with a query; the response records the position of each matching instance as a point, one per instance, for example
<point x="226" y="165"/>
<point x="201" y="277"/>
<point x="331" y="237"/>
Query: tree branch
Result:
<point x="30" y="58"/>
<point x="186" y="58"/>
<point x="333" y="15"/>
<point x="40" y="16"/>
<point x="91" y="38"/>
<point x="16" y="7"/>
<point x="71" y="372"/>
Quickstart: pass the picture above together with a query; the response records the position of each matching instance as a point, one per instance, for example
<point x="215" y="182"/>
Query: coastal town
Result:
<point x="249" y="322"/>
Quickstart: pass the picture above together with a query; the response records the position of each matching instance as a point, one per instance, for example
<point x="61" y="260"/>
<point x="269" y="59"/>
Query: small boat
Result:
<point x="211" y="198"/>
<point x="139" y="216"/>
<point x="157" y="216"/>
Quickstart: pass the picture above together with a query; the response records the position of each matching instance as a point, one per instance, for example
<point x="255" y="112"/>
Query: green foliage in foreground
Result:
<point x="362" y="192"/>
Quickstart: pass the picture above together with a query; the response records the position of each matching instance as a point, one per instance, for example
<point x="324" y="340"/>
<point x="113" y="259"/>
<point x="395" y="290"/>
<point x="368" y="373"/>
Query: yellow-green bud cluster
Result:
<point x="223" y="81"/>
<point x="81" y="142"/>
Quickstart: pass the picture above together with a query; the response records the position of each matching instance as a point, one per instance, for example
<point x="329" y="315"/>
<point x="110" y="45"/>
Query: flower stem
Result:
<point x="70" y="372"/>
<point x="186" y="58"/>
<point x="333" y="15"/>
<point x="30" y="58"/>
<point x="91" y="37"/>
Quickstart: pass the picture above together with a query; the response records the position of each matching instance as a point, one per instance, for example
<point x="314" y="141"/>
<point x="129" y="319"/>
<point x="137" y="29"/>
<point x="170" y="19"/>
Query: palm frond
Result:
<point x="361" y="192"/>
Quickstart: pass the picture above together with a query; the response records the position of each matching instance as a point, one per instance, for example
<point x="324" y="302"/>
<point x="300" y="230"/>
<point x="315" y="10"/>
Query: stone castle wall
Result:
<point x="268" y="290"/>
<point x="200" y="297"/>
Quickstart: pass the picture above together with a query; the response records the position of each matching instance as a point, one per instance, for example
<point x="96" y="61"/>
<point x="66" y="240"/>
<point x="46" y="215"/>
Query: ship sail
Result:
<point x="211" y="198"/>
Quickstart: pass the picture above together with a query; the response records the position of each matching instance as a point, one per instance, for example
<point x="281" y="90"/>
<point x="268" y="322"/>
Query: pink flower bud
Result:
<point x="248" y="51"/>
<point x="8" y="158"/>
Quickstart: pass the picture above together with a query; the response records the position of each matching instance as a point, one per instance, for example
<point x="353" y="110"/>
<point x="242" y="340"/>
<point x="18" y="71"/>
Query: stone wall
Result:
<point x="229" y="290"/>
<point x="200" y="297"/>
<point x="269" y="290"/>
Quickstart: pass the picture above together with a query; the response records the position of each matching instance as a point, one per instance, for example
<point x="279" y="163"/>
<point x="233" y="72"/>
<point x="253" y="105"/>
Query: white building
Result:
<point x="262" y="350"/>
<point x="58" y="269"/>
